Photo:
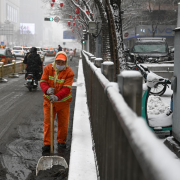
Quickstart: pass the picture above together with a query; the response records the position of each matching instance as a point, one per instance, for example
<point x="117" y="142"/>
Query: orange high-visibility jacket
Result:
<point x="62" y="86"/>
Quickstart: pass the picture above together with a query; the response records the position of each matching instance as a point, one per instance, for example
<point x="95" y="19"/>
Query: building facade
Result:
<point x="9" y="20"/>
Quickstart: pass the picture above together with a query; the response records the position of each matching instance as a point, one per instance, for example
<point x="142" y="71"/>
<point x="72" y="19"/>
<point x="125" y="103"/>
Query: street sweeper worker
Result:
<point x="56" y="83"/>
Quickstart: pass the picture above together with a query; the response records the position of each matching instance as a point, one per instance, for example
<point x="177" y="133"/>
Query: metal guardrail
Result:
<point x="124" y="146"/>
<point x="11" y="70"/>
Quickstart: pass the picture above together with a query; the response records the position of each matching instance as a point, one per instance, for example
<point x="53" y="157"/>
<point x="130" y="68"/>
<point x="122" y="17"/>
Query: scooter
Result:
<point x="161" y="124"/>
<point x="31" y="83"/>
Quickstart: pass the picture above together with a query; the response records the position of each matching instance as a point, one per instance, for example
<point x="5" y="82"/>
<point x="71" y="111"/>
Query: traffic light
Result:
<point x="82" y="41"/>
<point x="85" y="36"/>
<point x="48" y="19"/>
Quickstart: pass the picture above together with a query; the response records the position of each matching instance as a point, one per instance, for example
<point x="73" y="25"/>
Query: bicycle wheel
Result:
<point x="158" y="89"/>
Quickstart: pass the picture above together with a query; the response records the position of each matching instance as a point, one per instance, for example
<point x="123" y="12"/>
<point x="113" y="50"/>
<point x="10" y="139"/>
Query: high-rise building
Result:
<point x="31" y="20"/>
<point x="9" y="20"/>
<point x="32" y="16"/>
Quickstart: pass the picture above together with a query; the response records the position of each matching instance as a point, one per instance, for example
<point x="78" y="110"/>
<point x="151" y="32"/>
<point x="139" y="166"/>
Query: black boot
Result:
<point x="61" y="146"/>
<point x="46" y="150"/>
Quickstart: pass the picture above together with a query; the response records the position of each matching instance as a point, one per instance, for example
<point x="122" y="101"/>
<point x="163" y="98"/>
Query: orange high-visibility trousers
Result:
<point x="63" y="122"/>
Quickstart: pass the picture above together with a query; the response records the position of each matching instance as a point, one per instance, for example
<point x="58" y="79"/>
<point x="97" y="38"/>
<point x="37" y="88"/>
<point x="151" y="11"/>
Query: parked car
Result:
<point x="51" y="52"/>
<point x="6" y="56"/>
<point x="149" y="48"/>
<point x="18" y="51"/>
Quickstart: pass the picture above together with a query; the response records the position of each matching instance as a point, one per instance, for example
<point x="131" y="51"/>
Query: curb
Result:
<point x="82" y="163"/>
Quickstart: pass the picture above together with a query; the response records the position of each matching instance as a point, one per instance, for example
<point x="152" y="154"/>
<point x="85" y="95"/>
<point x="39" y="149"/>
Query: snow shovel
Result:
<point x="47" y="162"/>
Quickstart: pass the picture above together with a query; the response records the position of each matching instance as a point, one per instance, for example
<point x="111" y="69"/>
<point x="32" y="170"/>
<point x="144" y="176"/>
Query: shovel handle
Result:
<point x="51" y="127"/>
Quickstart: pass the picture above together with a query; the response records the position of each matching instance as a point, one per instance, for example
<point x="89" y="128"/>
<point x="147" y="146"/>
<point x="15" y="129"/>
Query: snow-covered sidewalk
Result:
<point x="82" y="163"/>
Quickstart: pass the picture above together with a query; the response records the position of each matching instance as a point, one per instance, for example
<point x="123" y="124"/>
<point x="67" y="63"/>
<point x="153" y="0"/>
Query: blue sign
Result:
<point x="64" y="43"/>
<point x="68" y="35"/>
<point x="2" y="43"/>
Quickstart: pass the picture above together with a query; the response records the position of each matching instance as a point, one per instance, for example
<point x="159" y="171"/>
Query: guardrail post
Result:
<point x="107" y="69"/>
<point x="1" y="73"/>
<point x="14" y="74"/>
<point x="92" y="58"/>
<point x="130" y="86"/>
<point x="98" y="62"/>
<point x="23" y="67"/>
<point x="89" y="56"/>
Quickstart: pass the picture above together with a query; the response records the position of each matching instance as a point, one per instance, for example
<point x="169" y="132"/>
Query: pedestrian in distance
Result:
<point x="59" y="48"/>
<point x="71" y="54"/>
<point x="33" y="64"/>
<point x="74" y="52"/>
<point x="56" y="83"/>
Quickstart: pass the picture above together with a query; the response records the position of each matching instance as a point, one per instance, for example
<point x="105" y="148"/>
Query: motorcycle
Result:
<point x="31" y="82"/>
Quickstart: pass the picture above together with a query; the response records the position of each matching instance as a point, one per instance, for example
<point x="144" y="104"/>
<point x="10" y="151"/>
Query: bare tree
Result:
<point x="149" y="12"/>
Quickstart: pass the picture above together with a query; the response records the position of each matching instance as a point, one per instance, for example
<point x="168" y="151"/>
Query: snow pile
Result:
<point x="156" y="105"/>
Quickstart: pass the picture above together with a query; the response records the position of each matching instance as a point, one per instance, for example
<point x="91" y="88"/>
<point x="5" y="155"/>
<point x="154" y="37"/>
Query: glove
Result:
<point x="53" y="98"/>
<point x="50" y="91"/>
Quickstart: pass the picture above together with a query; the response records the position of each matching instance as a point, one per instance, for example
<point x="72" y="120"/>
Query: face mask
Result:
<point x="59" y="67"/>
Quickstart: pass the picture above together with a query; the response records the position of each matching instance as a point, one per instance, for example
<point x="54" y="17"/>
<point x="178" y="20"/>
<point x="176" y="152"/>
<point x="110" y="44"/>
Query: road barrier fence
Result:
<point x="11" y="70"/>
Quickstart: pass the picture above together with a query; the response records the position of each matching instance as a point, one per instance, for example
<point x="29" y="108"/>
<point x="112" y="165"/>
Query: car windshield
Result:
<point x="38" y="49"/>
<point x="2" y="51"/>
<point x="17" y="48"/>
<point x="149" y="48"/>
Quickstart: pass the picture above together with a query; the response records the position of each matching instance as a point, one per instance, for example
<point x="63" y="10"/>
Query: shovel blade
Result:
<point x="47" y="162"/>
